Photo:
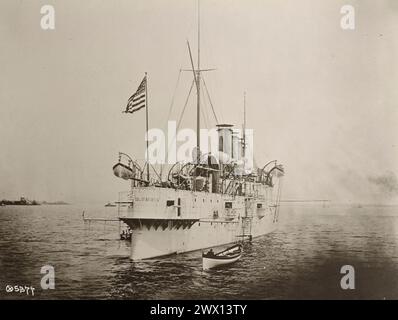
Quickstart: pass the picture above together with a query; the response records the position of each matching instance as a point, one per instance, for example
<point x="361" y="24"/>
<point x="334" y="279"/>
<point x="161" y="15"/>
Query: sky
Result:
<point x="320" y="99"/>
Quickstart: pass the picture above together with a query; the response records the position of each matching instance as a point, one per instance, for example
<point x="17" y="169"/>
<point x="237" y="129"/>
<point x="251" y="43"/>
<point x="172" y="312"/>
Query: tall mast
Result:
<point x="198" y="92"/>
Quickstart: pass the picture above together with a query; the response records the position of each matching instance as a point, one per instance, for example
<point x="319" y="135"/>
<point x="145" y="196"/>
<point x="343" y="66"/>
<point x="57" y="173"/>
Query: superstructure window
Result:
<point x="170" y="203"/>
<point x="228" y="205"/>
<point x="259" y="205"/>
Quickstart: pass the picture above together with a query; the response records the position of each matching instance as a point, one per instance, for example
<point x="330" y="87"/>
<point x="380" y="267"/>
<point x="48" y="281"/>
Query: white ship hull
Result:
<point x="172" y="234"/>
<point x="154" y="243"/>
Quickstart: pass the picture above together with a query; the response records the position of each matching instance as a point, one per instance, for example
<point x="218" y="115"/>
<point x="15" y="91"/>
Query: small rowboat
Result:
<point x="230" y="255"/>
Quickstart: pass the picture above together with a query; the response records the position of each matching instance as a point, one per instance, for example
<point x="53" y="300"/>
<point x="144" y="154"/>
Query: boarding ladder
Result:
<point x="247" y="221"/>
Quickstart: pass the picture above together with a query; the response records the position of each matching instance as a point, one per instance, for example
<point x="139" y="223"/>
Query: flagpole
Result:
<point x="147" y="140"/>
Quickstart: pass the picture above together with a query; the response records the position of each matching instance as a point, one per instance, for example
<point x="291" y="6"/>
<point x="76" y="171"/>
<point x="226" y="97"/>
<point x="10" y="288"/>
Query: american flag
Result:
<point x="138" y="100"/>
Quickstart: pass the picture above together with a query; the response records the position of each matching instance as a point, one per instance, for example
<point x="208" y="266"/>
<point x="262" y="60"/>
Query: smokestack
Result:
<point x="225" y="139"/>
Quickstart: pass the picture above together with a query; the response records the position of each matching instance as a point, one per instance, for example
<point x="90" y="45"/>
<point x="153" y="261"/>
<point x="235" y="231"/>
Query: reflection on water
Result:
<point x="300" y="260"/>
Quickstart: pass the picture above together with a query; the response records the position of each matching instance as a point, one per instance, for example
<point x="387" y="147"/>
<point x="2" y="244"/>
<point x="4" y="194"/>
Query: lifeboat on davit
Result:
<point x="123" y="171"/>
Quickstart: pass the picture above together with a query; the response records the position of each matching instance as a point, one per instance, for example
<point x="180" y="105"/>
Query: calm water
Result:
<point x="301" y="260"/>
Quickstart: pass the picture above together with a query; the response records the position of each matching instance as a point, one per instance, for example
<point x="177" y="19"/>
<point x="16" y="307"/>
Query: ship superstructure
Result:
<point x="199" y="206"/>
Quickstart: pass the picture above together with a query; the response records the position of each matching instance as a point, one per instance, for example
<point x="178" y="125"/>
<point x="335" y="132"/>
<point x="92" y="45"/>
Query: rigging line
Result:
<point x="185" y="106"/>
<point x="204" y="112"/>
<point x="181" y="116"/>
<point x="205" y="117"/>
<point x="211" y="103"/>
<point x="210" y="113"/>
<point x="169" y="113"/>
<point x="153" y="168"/>
<point x="173" y="98"/>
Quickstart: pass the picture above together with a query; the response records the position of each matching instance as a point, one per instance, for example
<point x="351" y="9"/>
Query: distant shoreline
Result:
<point x="26" y="202"/>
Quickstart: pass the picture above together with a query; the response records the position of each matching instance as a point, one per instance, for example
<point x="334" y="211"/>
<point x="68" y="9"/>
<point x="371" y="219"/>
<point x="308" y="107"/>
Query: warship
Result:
<point x="212" y="200"/>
